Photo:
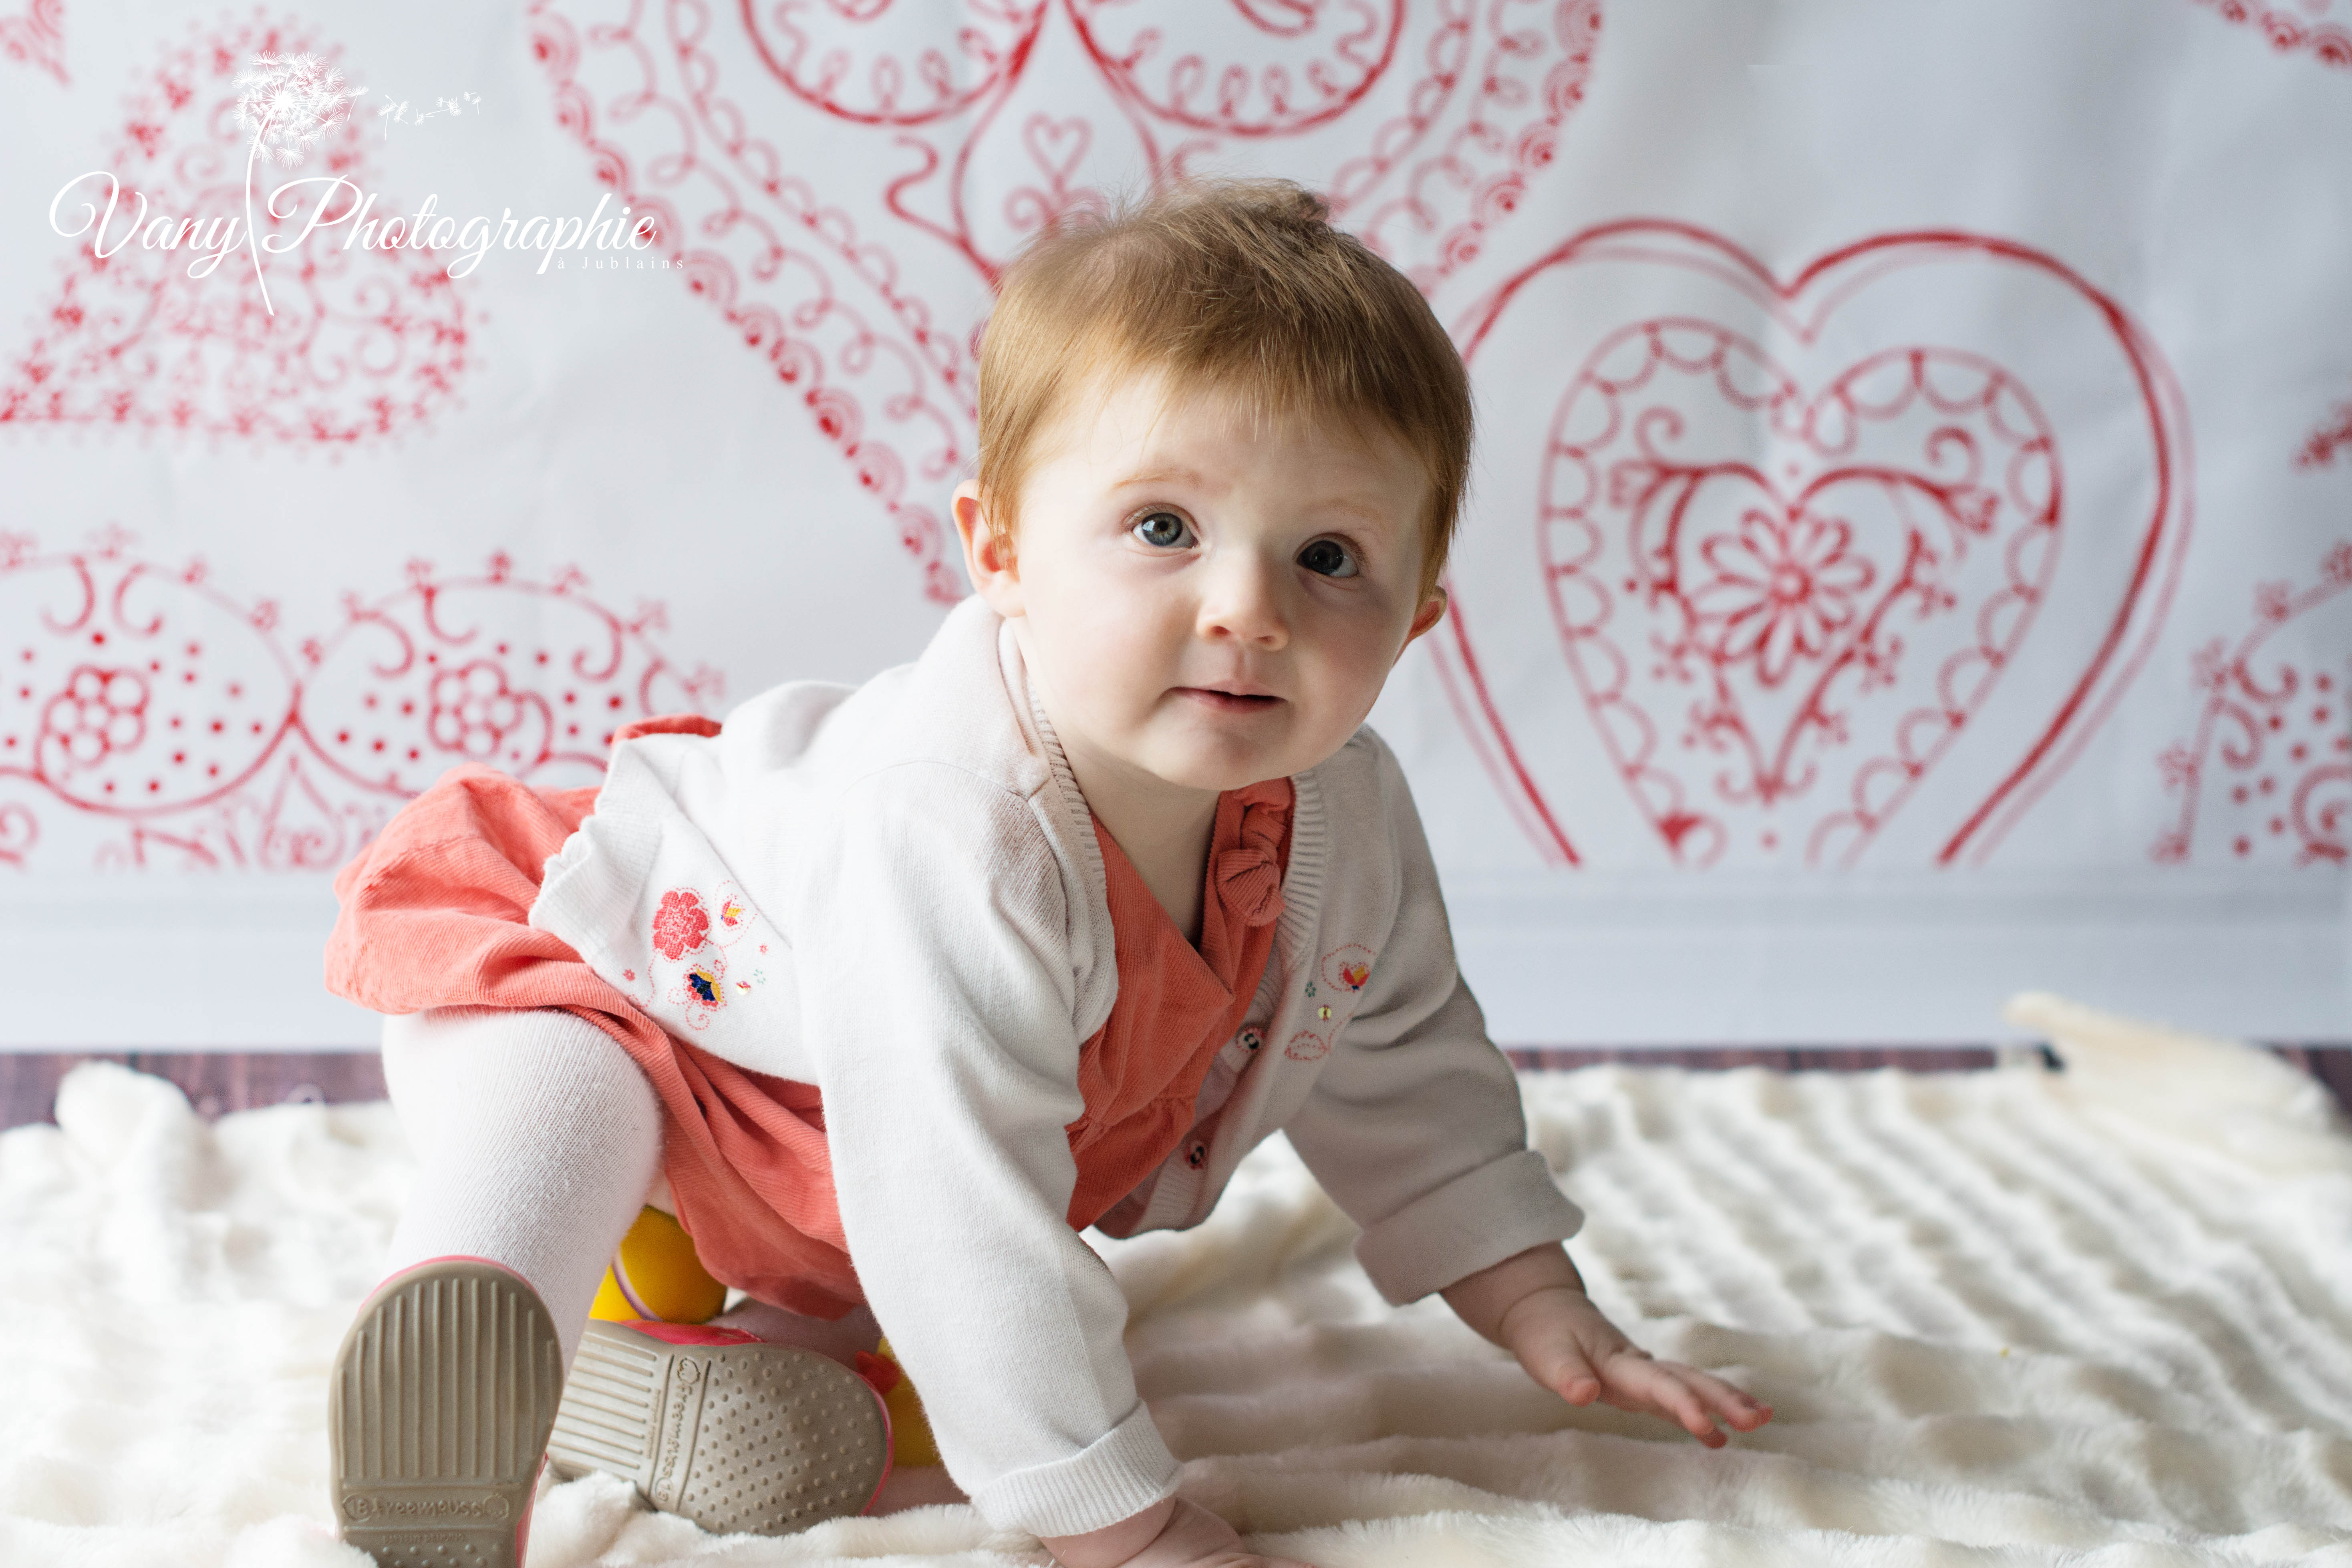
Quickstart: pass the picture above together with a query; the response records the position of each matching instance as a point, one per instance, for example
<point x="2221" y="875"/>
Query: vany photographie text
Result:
<point x="210" y="239"/>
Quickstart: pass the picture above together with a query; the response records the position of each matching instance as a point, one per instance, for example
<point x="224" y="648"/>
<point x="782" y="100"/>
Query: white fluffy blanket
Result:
<point x="2102" y="1317"/>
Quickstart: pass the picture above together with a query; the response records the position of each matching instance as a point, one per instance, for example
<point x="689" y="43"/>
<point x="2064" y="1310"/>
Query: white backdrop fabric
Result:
<point x="1911" y="555"/>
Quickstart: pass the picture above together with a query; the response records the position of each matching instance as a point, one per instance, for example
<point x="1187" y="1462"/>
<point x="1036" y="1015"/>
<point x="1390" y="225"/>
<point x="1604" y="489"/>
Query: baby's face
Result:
<point x="1202" y="602"/>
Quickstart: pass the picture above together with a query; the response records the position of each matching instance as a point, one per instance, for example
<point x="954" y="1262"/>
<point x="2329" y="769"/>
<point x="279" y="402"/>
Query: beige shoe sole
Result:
<point x="444" y="1393"/>
<point x="757" y="1438"/>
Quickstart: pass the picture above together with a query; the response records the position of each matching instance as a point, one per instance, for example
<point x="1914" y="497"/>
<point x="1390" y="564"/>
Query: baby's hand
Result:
<point x="1565" y="1344"/>
<point x="1534" y="1305"/>
<point x="1188" y="1536"/>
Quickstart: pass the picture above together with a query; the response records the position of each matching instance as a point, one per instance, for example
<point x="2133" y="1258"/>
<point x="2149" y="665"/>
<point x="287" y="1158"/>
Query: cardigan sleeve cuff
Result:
<point x="1473" y="1222"/>
<point x="1119" y="1476"/>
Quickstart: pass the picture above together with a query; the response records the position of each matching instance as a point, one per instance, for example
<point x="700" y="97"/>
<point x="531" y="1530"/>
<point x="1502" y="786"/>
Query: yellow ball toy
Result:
<point x="657" y="1276"/>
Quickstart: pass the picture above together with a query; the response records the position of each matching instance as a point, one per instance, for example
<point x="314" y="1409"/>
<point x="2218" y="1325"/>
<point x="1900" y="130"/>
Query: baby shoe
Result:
<point x="439" y="1414"/>
<point x="722" y="1427"/>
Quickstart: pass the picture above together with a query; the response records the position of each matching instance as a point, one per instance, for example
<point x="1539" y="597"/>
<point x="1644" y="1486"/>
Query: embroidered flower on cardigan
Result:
<point x="701" y="991"/>
<point x="680" y="924"/>
<point x="733" y="914"/>
<point x="1347" y="968"/>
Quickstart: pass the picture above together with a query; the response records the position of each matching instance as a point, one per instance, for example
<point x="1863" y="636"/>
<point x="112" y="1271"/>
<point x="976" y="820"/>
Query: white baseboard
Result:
<point x="1587" y="958"/>
<point x="1592" y="959"/>
<point x="156" y="962"/>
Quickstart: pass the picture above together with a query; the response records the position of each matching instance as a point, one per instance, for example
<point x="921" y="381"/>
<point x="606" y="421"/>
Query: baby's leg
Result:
<point x="535" y="1138"/>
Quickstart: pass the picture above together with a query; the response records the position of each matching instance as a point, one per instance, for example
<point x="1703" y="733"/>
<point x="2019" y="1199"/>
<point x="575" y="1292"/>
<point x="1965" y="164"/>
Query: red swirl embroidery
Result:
<point x="2267" y="773"/>
<point x="150" y="717"/>
<point x="1424" y="123"/>
<point x="37" y="38"/>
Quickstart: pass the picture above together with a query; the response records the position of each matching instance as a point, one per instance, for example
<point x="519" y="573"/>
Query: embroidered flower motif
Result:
<point x="680" y="924"/>
<point x="98" y="712"/>
<point x="732" y="914"/>
<point x="474" y="710"/>
<point x="701" y="991"/>
<point x="1783" y="585"/>
<point x="1347" y="968"/>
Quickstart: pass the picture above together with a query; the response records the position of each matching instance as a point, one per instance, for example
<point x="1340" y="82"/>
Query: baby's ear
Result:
<point x="988" y="556"/>
<point x="1432" y="611"/>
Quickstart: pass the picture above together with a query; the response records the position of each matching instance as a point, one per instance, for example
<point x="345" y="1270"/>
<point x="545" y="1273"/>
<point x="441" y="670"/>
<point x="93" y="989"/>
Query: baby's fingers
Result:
<point x="1661" y="1385"/>
<point x="1735" y="1406"/>
<point x="1567" y="1373"/>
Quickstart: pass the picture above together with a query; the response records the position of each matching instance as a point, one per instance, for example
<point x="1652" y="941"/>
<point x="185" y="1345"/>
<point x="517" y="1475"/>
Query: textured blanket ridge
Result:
<point x="2098" y="1317"/>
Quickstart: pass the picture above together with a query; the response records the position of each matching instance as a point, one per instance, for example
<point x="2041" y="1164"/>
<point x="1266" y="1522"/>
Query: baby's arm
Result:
<point x="1533" y="1304"/>
<point x="936" y="995"/>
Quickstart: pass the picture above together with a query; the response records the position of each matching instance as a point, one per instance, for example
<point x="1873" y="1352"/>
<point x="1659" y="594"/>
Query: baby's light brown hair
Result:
<point x="1239" y="288"/>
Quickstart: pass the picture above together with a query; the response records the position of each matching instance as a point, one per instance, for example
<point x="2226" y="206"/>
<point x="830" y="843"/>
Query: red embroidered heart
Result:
<point x="1792" y="565"/>
<point x="364" y="344"/>
<point x="859" y="270"/>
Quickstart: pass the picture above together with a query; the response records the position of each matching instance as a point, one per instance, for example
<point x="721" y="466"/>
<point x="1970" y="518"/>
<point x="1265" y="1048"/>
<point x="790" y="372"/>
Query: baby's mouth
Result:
<point x="1224" y="701"/>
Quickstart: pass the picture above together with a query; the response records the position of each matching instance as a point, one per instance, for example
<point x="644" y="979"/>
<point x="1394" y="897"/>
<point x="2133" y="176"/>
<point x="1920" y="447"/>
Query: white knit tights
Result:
<point x="535" y="1138"/>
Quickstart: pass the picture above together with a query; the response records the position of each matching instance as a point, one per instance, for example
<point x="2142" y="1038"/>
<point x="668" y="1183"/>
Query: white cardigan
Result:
<point x="901" y="901"/>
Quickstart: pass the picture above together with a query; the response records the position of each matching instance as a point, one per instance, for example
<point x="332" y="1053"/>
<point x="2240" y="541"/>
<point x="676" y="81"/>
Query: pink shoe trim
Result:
<point x="692" y="1333"/>
<point x="890" y="1445"/>
<point x="529" y="1503"/>
<point x="506" y="1269"/>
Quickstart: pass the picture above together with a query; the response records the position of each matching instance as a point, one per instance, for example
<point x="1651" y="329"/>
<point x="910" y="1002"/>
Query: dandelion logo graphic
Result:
<point x="291" y="100"/>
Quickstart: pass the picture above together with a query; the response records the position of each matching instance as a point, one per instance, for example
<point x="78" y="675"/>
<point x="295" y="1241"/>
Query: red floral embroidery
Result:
<point x="1782" y="586"/>
<point x="100" y="712"/>
<point x="474" y="709"/>
<point x="1348" y="968"/>
<point x="680" y="924"/>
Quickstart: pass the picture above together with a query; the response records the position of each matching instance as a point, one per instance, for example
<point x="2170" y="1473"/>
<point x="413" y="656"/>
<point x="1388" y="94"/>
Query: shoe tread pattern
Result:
<point x="753" y="1438"/>
<point x="441" y="1397"/>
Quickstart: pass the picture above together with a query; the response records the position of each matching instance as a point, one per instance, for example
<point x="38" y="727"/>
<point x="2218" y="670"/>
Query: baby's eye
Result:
<point x="1328" y="558"/>
<point x="1162" y="530"/>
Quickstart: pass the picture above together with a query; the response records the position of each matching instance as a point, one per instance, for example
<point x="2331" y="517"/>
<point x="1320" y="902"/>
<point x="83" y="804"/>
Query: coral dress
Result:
<point x="435" y="914"/>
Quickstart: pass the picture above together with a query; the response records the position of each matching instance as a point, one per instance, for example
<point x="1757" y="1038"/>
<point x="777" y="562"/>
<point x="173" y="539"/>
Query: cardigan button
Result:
<point x="1251" y="1039"/>
<point x="1196" y="1155"/>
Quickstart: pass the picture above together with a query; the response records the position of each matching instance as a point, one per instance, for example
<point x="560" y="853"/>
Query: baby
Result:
<point x="902" y="987"/>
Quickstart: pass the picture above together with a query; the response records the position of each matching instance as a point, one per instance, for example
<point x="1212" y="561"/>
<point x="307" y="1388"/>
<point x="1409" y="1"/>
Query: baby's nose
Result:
<point x="1243" y="601"/>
